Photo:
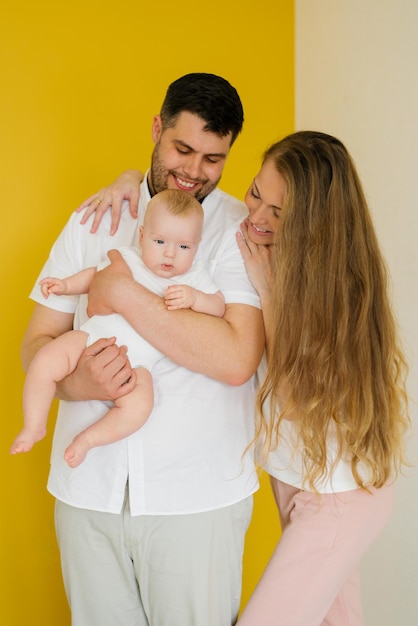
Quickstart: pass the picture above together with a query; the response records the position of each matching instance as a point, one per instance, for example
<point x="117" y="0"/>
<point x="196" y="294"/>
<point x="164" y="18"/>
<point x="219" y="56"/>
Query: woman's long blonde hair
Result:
<point x="334" y="352"/>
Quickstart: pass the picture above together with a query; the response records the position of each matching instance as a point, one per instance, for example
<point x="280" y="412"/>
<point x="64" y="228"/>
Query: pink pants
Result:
<point x="312" y="578"/>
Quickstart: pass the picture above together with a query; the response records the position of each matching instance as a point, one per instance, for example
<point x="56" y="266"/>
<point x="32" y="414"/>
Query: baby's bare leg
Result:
<point x="128" y="415"/>
<point x="52" y="363"/>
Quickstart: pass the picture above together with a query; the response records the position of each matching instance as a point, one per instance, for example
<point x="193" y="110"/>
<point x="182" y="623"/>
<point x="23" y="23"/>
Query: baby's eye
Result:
<point x="159" y="241"/>
<point x="183" y="246"/>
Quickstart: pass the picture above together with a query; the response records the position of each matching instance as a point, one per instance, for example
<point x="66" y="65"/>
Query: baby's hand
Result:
<point x="179" y="297"/>
<point x="52" y="285"/>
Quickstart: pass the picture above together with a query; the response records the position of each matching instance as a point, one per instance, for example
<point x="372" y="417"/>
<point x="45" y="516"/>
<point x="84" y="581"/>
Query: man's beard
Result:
<point x="159" y="178"/>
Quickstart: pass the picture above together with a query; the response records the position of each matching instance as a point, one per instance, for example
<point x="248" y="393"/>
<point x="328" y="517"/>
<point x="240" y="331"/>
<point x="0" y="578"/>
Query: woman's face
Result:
<point x="264" y="200"/>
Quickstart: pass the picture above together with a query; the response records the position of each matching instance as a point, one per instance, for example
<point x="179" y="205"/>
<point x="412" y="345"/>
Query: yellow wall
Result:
<point x="79" y="84"/>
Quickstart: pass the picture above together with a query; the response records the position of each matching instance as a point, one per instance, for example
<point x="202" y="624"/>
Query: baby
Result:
<point x="169" y="239"/>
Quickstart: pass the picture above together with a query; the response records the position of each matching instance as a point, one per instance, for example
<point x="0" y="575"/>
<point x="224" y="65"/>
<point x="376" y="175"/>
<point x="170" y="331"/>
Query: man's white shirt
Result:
<point x="188" y="457"/>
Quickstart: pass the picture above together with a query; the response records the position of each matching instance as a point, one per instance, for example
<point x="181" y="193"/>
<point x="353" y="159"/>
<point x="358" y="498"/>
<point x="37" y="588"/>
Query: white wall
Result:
<point x="357" y="78"/>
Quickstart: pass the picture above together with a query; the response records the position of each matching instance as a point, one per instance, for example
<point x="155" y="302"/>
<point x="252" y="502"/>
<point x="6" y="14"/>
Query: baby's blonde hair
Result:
<point x="177" y="202"/>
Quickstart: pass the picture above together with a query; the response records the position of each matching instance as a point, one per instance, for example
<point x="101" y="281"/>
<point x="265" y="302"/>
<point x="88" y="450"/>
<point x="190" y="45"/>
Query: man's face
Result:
<point x="187" y="157"/>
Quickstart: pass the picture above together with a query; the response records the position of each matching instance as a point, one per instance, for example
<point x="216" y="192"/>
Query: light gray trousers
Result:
<point x="152" y="570"/>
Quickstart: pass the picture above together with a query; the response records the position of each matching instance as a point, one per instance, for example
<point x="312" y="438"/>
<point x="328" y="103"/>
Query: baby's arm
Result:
<point x="186" y="297"/>
<point x="72" y="285"/>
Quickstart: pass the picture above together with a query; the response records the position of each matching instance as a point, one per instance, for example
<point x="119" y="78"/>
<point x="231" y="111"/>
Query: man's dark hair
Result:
<point x="210" y="97"/>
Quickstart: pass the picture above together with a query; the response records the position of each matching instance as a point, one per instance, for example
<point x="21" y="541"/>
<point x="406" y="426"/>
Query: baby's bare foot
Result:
<point x="76" y="451"/>
<point x="26" y="440"/>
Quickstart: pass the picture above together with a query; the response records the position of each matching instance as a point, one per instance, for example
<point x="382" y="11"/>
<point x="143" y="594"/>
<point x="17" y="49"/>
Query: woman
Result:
<point x="332" y="409"/>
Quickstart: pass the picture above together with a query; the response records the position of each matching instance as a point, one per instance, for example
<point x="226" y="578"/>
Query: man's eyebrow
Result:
<point x="186" y="145"/>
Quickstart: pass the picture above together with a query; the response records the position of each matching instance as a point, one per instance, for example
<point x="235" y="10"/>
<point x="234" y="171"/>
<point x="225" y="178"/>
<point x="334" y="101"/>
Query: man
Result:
<point x="151" y="529"/>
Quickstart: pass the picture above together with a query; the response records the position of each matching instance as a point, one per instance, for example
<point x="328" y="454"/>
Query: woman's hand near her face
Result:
<point x="125" y="187"/>
<point x="257" y="259"/>
<point x="258" y="264"/>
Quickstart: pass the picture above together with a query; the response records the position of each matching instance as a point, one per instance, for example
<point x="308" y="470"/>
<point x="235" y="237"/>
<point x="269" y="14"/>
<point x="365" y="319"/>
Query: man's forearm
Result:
<point x="227" y="349"/>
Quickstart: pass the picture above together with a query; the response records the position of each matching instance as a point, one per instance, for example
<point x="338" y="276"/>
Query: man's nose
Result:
<point x="193" y="166"/>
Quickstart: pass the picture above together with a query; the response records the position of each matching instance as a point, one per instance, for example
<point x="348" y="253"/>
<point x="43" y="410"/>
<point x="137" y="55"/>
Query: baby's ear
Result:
<point x="141" y="234"/>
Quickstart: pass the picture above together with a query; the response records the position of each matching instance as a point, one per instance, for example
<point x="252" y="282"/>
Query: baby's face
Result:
<point x="169" y="242"/>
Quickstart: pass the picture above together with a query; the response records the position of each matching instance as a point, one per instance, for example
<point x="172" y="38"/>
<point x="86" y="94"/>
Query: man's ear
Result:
<point x="157" y="128"/>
